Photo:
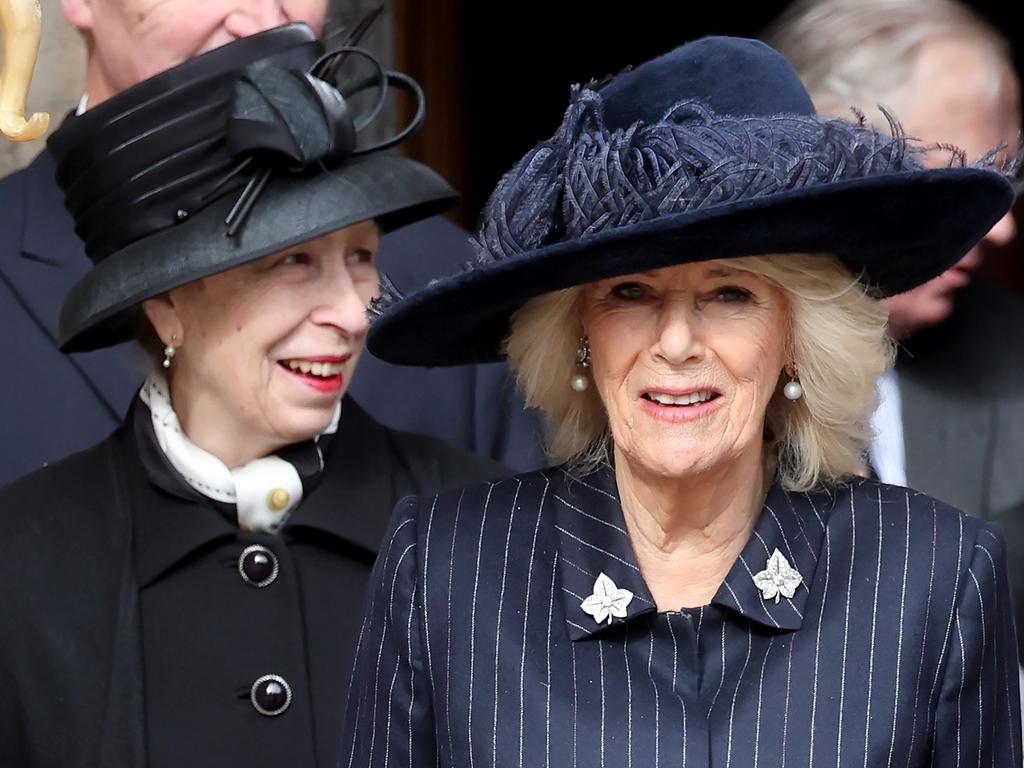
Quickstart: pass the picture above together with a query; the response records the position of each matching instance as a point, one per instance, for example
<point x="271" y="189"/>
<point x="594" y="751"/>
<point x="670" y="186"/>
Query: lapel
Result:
<point x="792" y="524"/>
<point x="947" y="431"/>
<point x="174" y="520"/>
<point x="48" y="259"/>
<point x="1006" y="493"/>
<point x="592" y="540"/>
<point x="123" y="737"/>
<point x="51" y="255"/>
<point x="964" y="408"/>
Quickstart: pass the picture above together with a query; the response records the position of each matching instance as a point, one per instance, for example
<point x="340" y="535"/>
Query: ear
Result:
<point x="79" y="14"/>
<point x="163" y="316"/>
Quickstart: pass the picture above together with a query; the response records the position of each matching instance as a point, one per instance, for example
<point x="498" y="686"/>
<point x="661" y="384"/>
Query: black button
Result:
<point x="270" y="695"/>
<point x="257" y="566"/>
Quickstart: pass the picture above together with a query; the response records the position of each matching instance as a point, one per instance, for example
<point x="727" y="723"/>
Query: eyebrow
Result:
<point x="721" y="271"/>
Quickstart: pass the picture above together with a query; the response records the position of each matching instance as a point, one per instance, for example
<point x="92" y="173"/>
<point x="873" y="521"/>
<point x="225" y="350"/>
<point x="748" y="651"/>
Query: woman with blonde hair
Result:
<point x="685" y="279"/>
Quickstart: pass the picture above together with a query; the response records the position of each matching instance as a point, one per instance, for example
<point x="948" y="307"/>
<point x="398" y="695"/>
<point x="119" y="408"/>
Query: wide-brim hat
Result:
<point x="231" y="156"/>
<point x="711" y="151"/>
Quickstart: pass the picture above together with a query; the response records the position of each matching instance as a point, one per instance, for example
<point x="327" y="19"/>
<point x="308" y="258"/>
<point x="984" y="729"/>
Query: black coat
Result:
<point x="71" y="683"/>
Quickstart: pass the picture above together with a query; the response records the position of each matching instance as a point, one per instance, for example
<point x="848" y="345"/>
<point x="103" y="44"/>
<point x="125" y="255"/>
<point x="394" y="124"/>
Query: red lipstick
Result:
<point x="330" y="385"/>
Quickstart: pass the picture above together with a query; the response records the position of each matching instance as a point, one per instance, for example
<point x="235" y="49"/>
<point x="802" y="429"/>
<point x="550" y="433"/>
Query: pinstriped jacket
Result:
<point x="896" y="649"/>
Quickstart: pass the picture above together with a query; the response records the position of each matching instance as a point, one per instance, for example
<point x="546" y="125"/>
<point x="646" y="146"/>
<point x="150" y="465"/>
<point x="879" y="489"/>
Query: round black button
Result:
<point x="270" y="695"/>
<point x="257" y="566"/>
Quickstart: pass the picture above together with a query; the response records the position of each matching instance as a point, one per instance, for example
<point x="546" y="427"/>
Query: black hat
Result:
<point x="238" y="153"/>
<point x="710" y="151"/>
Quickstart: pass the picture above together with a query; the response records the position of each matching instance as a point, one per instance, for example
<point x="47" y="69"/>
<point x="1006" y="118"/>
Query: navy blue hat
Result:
<point x="711" y="151"/>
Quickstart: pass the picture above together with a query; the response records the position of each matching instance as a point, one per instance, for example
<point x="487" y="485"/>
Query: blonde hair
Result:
<point x="837" y="339"/>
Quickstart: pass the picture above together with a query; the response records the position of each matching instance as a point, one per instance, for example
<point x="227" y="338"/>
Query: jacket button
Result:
<point x="270" y="695"/>
<point x="257" y="566"/>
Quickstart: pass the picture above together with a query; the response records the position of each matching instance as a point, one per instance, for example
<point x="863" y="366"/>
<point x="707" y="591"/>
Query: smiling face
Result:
<point x="132" y="40"/>
<point x="685" y="360"/>
<point x="266" y="350"/>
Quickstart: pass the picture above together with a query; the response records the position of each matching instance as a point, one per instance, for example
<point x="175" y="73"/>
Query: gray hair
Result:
<point x="860" y="53"/>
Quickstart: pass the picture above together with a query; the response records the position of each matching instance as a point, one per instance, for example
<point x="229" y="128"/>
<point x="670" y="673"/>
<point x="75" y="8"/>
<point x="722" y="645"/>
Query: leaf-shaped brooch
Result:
<point x="608" y="601"/>
<point x="779" y="579"/>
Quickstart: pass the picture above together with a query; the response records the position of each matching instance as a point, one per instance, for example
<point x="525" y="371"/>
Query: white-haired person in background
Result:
<point x="951" y="417"/>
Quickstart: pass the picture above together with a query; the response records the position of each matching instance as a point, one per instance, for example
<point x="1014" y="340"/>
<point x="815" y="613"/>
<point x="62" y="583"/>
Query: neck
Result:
<point x="96" y="85"/>
<point x="202" y="420"/>
<point x="688" y="531"/>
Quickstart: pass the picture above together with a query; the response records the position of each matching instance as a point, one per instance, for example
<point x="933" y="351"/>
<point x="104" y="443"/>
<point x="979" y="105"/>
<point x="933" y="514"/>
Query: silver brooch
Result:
<point x="608" y="601"/>
<point x="779" y="579"/>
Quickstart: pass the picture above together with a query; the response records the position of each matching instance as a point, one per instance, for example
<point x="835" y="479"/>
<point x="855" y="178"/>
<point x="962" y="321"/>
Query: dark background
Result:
<point x="497" y="75"/>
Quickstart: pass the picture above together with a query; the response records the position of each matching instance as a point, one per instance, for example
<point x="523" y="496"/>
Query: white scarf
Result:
<point x="265" y="491"/>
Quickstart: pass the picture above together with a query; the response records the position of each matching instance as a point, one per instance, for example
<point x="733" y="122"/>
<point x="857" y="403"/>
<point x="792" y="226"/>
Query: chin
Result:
<point x="304" y="424"/>
<point x="669" y="458"/>
<point x="938" y="312"/>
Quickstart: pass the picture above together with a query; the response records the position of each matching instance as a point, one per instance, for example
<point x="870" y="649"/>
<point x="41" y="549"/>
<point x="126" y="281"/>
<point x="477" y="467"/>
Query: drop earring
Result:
<point x="794" y="389"/>
<point x="169" y="351"/>
<point x="580" y="381"/>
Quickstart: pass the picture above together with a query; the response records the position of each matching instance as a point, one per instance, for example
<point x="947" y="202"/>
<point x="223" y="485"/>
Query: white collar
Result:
<point x="264" y="491"/>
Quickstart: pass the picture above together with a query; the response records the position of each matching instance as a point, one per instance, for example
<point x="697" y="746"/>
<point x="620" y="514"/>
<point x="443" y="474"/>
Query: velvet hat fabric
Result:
<point x="711" y="151"/>
<point x="238" y="153"/>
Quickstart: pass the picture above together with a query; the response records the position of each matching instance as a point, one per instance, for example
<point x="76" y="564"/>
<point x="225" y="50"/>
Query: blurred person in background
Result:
<point x="81" y="398"/>
<point x="951" y="416"/>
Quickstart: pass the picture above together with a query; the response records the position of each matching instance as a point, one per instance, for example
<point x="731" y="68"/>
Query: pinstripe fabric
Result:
<point x="898" y="650"/>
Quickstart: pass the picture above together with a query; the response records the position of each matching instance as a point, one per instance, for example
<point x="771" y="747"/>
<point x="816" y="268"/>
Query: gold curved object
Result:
<point x="22" y="22"/>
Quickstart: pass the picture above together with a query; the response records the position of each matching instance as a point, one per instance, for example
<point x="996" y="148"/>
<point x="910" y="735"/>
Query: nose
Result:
<point x="1003" y="231"/>
<point x="341" y="306"/>
<point x="679" y="334"/>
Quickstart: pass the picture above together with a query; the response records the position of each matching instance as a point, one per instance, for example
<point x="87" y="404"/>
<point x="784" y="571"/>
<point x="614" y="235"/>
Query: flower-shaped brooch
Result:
<point x="607" y="602"/>
<point x="779" y="579"/>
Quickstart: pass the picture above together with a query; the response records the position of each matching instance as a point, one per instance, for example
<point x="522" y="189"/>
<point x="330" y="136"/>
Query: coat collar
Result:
<point x="593" y="540"/>
<point x="349" y="501"/>
<point x="353" y="500"/>
<point x="48" y="229"/>
<point x="48" y="260"/>
<point x="51" y="257"/>
<point x="949" y="419"/>
<point x="793" y="524"/>
<point x="166" y="533"/>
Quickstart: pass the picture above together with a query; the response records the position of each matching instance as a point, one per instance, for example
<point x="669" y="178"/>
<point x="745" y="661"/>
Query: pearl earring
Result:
<point x="579" y="382"/>
<point x="794" y="389"/>
<point x="169" y="351"/>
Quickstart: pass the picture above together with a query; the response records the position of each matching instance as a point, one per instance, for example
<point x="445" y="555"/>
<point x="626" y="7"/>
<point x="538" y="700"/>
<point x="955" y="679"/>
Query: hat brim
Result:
<point x="390" y="189"/>
<point x="894" y="232"/>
